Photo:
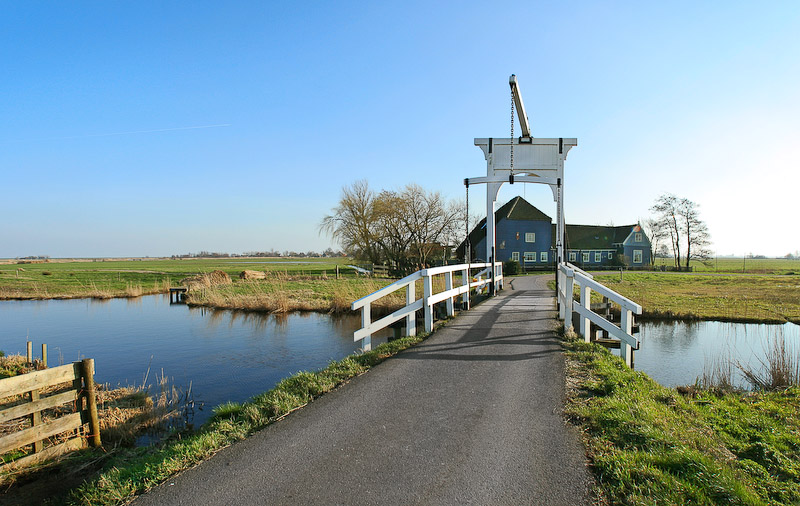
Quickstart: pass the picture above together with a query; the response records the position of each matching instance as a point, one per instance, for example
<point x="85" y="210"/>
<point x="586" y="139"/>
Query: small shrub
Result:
<point x="511" y="267"/>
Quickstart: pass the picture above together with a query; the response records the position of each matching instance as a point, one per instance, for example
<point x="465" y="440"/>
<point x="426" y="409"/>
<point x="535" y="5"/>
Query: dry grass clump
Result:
<point x="247" y="274"/>
<point x="779" y="370"/>
<point x="206" y="280"/>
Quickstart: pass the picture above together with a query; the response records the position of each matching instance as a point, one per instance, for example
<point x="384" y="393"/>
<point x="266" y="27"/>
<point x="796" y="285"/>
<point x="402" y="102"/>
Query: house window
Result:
<point x="515" y="256"/>
<point x="543" y="256"/>
<point x="637" y="256"/>
<point x="573" y="256"/>
<point x="530" y="237"/>
<point x="585" y="257"/>
<point x="637" y="237"/>
<point x="598" y="257"/>
<point x="530" y="256"/>
<point x="610" y="255"/>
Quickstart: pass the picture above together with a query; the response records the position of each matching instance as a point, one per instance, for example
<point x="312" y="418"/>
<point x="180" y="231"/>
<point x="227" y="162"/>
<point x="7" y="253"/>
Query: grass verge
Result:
<point x="730" y="297"/>
<point x="132" y="471"/>
<point x="652" y="445"/>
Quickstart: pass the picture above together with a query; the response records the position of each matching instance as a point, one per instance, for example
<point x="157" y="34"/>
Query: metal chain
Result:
<point x="512" y="131"/>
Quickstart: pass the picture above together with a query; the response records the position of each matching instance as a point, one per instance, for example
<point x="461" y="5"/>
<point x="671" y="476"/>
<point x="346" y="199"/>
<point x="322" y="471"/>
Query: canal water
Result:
<point x="676" y="353"/>
<point x="222" y="355"/>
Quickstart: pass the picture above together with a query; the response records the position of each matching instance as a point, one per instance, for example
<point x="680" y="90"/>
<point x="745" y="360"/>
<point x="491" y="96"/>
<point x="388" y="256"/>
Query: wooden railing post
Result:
<point x="427" y="308"/>
<point x="465" y="282"/>
<point x="36" y="420"/>
<point x="366" y="320"/>
<point x="448" y="285"/>
<point x="569" y="286"/>
<point x="411" y="319"/>
<point x="29" y="356"/>
<point x="44" y="354"/>
<point x="87" y="370"/>
<point x="585" y="325"/>
<point x="626" y="324"/>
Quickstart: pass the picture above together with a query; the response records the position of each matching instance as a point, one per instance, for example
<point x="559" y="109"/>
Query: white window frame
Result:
<point x="515" y="256"/>
<point x="543" y="256"/>
<point x="610" y="255"/>
<point x="585" y="257"/>
<point x="598" y="257"/>
<point x="530" y="236"/>
<point x="637" y="237"/>
<point x="637" y="252"/>
<point x="573" y="256"/>
<point x="529" y="256"/>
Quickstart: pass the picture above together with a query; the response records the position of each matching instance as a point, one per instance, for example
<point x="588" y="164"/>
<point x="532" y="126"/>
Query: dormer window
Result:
<point x="637" y="237"/>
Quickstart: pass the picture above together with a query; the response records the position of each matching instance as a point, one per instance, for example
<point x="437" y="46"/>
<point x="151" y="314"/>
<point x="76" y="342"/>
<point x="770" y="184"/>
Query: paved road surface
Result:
<point x="470" y="416"/>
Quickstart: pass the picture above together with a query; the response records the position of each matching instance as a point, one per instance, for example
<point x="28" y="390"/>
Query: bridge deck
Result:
<point x="470" y="416"/>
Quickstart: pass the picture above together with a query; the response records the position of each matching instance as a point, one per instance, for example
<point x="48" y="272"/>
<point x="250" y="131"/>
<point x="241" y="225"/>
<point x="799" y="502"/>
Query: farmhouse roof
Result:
<point x="594" y="236"/>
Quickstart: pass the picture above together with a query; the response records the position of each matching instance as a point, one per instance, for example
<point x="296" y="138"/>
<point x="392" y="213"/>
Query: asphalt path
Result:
<point x="473" y="415"/>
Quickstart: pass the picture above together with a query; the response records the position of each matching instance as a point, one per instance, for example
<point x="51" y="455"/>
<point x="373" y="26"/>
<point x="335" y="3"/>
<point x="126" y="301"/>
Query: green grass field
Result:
<point x="652" y="445"/>
<point x="124" y="278"/>
<point x="730" y="297"/>
<point x="746" y="265"/>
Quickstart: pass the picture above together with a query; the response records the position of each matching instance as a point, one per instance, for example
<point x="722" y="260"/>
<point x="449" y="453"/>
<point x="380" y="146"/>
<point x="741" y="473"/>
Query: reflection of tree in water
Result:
<point x="672" y="335"/>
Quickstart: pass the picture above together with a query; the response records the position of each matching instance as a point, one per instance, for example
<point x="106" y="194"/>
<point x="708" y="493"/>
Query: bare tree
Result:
<point x="695" y="231"/>
<point x="353" y="222"/>
<point x="667" y="214"/>
<point x="405" y="228"/>
<point x="658" y="234"/>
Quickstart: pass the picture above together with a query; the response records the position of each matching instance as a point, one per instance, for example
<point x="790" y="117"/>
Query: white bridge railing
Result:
<point x="428" y="299"/>
<point x="568" y="275"/>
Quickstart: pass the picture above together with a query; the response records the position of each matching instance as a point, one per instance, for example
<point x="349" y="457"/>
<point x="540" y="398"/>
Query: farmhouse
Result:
<point x="527" y="235"/>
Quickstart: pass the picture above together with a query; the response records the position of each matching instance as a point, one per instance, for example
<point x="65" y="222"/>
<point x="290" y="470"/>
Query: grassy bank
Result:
<point x="651" y="445"/>
<point x="740" y="265"/>
<point x="130" y="278"/>
<point x="728" y="297"/>
<point x="125" y="472"/>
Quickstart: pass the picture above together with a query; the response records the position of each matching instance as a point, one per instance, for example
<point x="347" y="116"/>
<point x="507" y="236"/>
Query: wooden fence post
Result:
<point x="465" y="281"/>
<point x="411" y="319"/>
<point x="30" y="352"/>
<point x="36" y="420"/>
<point x="585" y="326"/>
<point x="448" y="285"/>
<point x="366" y="320"/>
<point x="44" y="354"/>
<point x="87" y="370"/>
<point x="568" y="288"/>
<point x="427" y="309"/>
<point x="626" y="324"/>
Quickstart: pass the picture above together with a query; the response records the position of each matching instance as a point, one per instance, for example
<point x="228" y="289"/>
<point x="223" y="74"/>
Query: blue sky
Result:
<point x="101" y="154"/>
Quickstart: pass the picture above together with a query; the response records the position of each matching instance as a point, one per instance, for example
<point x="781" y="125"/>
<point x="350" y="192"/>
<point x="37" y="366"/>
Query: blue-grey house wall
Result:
<point x="632" y="244"/>
<point x="510" y="238"/>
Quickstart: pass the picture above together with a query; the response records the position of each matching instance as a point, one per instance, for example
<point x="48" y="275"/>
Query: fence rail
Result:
<point x="568" y="276"/>
<point x="32" y="386"/>
<point x="469" y="281"/>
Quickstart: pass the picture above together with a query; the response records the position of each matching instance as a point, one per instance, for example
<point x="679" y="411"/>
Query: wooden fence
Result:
<point x="32" y="387"/>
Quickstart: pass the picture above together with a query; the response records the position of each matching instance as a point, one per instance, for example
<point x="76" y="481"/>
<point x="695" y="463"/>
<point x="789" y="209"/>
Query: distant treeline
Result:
<point x="328" y="253"/>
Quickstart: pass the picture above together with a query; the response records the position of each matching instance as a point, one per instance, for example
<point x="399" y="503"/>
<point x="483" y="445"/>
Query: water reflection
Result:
<point x="224" y="355"/>
<point x="676" y="353"/>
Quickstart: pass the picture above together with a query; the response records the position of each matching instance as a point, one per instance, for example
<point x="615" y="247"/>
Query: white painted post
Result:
<point x="626" y="324"/>
<point x="427" y="308"/>
<point x="411" y="319"/>
<point x="586" y="297"/>
<point x="448" y="285"/>
<point x="465" y="295"/>
<point x="366" y="342"/>
<point x="568" y="288"/>
<point x="559" y="294"/>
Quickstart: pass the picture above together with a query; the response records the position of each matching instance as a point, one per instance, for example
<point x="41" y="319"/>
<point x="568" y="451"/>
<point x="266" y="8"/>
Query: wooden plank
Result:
<point x="67" y="446"/>
<point x="607" y="325"/>
<point x="42" y="404"/>
<point x="36" y="420"/>
<point x="387" y="320"/>
<point x="386" y="290"/>
<point x="32" y="434"/>
<point x="39" y="379"/>
<point x="611" y="294"/>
